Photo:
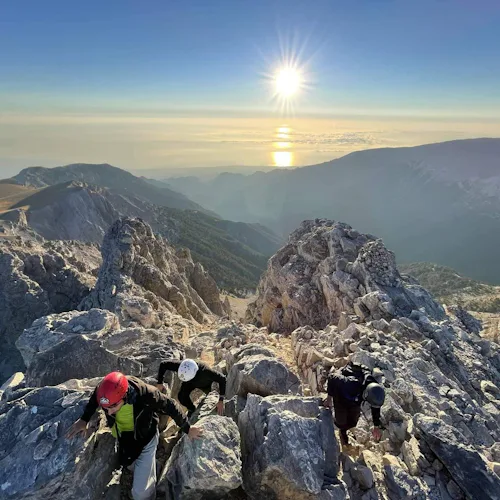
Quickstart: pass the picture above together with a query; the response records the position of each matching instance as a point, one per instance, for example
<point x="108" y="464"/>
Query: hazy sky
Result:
<point x="172" y="83"/>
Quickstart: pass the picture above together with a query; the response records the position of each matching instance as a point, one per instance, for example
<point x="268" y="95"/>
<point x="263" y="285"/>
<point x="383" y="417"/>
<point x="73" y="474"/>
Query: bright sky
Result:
<point x="167" y="83"/>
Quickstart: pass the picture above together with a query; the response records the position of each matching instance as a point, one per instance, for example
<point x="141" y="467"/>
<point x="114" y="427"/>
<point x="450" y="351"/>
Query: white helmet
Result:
<point x="187" y="370"/>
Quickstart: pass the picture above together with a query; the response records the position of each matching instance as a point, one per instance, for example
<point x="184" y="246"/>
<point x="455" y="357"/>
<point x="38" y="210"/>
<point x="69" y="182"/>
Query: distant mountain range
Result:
<point x="80" y="202"/>
<point x="106" y="176"/>
<point x="437" y="202"/>
<point x="205" y="173"/>
<point x="449" y="287"/>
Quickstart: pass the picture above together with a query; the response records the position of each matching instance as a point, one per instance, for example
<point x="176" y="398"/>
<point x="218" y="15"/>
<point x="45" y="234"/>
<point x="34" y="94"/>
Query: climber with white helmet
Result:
<point x="347" y="389"/>
<point x="132" y="410"/>
<point x="193" y="375"/>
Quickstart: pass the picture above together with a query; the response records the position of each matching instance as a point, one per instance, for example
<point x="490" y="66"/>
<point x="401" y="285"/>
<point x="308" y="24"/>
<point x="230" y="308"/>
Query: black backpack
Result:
<point x="353" y="381"/>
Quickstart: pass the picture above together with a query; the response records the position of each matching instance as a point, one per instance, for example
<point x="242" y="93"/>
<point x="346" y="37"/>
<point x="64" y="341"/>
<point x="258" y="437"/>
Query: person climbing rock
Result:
<point x="194" y="375"/>
<point x="132" y="408"/>
<point x="347" y="389"/>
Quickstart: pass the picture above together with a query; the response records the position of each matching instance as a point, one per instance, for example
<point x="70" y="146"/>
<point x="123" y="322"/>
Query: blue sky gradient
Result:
<point x="373" y="59"/>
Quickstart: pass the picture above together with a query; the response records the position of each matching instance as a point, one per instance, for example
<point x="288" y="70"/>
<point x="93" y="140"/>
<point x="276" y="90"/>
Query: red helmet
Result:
<point x="112" y="389"/>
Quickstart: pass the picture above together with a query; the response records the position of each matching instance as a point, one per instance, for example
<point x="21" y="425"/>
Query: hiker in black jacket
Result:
<point x="347" y="389"/>
<point x="194" y="375"/>
<point x="132" y="409"/>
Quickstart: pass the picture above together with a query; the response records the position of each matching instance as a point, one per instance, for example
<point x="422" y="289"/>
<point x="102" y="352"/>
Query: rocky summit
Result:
<point x="330" y="295"/>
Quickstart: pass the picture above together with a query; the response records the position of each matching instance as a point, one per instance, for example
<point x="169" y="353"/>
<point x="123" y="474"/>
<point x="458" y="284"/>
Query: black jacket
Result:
<point x="203" y="379"/>
<point x="147" y="402"/>
<point x="347" y="385"/>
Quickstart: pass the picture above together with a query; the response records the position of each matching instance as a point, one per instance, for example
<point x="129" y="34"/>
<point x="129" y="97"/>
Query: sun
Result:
<point x="288" y="82"/>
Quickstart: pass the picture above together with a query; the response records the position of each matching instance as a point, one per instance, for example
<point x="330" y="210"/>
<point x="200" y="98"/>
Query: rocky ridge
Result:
<point x="441" y="414"/>
<point x="340" y="297"/>
<point x="139" y="277"/>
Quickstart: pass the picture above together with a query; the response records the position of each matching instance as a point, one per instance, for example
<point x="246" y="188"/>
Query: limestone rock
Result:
<point x="14" y="382"/>
<point x="469" y="322"/>
<point x="363" y="475"/>
<point x="466" y="465"/>
<point x="262" y="375"/>
<point x="207" y="468"/>
<point x="86" y="344"/>
<point x="37" y="461"/>
<point x="139" y="264"/>
<point x="252" y="349"/>
<point x="47" y="331"/>
<point x="77" y="357"/>
<point x="39" y="278"/>
<point x="412" y="456"/>
<point x="400" y="484"/>
<point x="403" y="390"/>
<point x="288" y="447"/>
<point x="202" y="282"/>
<point x="327" y="271"/>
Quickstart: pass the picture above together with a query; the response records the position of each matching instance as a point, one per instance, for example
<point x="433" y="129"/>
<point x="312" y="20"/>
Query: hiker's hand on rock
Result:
<point x="377" y="433"/>
<point x="220" y="408"/>
<point x="80" y="426"/>
<point x="161" y="388"/>
<point x="195" y="432"/>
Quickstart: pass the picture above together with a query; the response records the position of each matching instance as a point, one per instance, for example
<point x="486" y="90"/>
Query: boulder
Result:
<point x="252" y="349"/>
<point x="47" y="331"/>
<point x="77" y="357"/>
<point x="403" y="389"/>
<point x="261" y="375"/>
<point x="37" y="461"/>
<point x="400" y="484"/>
<point x="86" y="344"/>
<point x="36" y="279"/>
<point x="412" y="456"/>
<point x="289" y="450"/>
<point x="208" y="468"/>
<point x="363" y="475"/>
<point x="465" y="464"/>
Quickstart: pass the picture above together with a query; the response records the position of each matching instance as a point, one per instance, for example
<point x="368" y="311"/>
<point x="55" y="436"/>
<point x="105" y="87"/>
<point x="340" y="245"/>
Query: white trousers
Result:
<point x="144" y="485"/>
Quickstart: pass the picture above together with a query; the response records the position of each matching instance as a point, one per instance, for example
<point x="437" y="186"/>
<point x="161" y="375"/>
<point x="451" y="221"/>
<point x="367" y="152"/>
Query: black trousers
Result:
<point x="346" y="417"/>
<point x="185" y="393"/>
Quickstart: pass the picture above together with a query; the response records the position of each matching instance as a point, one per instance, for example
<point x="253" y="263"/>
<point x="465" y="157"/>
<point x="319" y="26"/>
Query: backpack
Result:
<point x="353" y="381"/>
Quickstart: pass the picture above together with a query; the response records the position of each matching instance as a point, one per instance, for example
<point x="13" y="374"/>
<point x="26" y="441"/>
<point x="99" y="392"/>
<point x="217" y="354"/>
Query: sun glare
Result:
<point x="287" y="82"/>
<point x="287" y="76"/>
<point x="283" y="158"/>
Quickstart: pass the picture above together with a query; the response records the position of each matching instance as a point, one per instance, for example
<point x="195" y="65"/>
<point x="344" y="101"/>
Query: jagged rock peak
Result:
<point x="326" y="269"/>
<point x="145" y="282"/>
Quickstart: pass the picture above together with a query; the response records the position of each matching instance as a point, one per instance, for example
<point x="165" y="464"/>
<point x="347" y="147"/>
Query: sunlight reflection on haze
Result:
<point x="282" y="158"/>
<point x="284" y="142"/>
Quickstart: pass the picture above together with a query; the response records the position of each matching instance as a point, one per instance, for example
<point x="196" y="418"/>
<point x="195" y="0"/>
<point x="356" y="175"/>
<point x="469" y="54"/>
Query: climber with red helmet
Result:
<point x="132" y="410"/>
<point x="193" y="375"/>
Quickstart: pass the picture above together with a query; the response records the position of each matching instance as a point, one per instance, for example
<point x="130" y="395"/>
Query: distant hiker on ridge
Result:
<point x="347" y="389"/>
<point x="132" y="408"/>
<point x="194" y="375"/>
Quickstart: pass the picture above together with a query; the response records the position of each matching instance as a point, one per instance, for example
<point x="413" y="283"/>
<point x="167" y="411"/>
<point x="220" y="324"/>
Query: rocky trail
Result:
<point x="69" y="314"/>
